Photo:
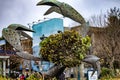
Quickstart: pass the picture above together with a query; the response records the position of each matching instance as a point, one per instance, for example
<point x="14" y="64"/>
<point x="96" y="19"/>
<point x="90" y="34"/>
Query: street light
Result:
<point x="41" y="65"/>
<point x="43" y="37"/>
<point x="59" y="31"/>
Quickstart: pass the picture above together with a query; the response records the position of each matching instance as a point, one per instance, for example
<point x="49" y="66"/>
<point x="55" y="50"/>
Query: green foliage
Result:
<point x="66" y="48"/>
<point x="35" y="76"/>
<point x="4" y="78"/>
<point x="106" y="72"/>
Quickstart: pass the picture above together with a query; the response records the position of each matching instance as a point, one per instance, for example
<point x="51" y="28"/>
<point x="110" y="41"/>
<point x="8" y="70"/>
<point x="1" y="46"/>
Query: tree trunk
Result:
<point x="55" y="71"/>
<point x="111" y="66"/>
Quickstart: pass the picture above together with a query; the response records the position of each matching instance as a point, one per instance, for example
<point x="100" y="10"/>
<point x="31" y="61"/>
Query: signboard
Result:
<point x="94" y="77"/>
<point x="6" y="52"/>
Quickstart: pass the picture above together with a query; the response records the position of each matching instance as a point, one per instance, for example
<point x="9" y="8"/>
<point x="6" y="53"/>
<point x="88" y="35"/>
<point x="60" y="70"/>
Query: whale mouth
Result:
<point x="47" y="3"/>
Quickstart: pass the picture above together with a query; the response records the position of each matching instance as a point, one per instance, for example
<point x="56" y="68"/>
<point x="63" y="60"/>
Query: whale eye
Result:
<point x="5" y="29"/>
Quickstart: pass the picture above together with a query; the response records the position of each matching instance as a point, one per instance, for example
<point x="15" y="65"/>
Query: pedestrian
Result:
<point x="22" y="77"/>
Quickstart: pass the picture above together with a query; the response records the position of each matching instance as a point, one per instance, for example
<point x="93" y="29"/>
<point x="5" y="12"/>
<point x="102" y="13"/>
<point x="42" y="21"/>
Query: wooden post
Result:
<point x="82" y="71"/>
<point x="4" y="67"/>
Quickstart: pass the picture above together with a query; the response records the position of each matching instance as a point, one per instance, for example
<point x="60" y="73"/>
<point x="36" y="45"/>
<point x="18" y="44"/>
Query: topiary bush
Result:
<point x="66" y="48"/>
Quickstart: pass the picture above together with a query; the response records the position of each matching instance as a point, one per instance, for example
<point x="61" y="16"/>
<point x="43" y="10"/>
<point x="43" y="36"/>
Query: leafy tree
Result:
<point x="112" y="36"/>
<point x="108" y="38"/>
<point x="65" y="48"/>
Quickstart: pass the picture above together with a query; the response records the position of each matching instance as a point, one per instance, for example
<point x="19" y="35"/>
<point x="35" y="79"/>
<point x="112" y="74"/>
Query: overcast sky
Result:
<point x="26" y="11"/>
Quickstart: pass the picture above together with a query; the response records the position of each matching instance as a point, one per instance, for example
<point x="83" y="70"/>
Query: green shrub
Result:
<point x="35" y="76"/>
<point x="66" y="48"/>
<point x="106" y="72"/>
<point x="3" y="78"/>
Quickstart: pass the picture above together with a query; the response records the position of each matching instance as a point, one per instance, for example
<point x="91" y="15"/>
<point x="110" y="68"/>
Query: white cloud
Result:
<point x="26" y="11"/>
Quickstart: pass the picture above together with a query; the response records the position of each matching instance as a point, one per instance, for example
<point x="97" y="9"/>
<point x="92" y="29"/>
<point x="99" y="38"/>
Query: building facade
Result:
<point x="45" y="28"/>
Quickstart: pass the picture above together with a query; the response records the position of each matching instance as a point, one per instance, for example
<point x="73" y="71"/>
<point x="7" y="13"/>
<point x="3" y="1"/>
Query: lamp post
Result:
<point x="41" y="66"/>
<point x="43" y="37"/>
<point x="41" y="69"/>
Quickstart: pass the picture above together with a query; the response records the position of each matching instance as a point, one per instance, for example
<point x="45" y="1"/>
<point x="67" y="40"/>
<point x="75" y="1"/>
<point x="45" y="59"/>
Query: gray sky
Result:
<point x="26" y="11"/>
